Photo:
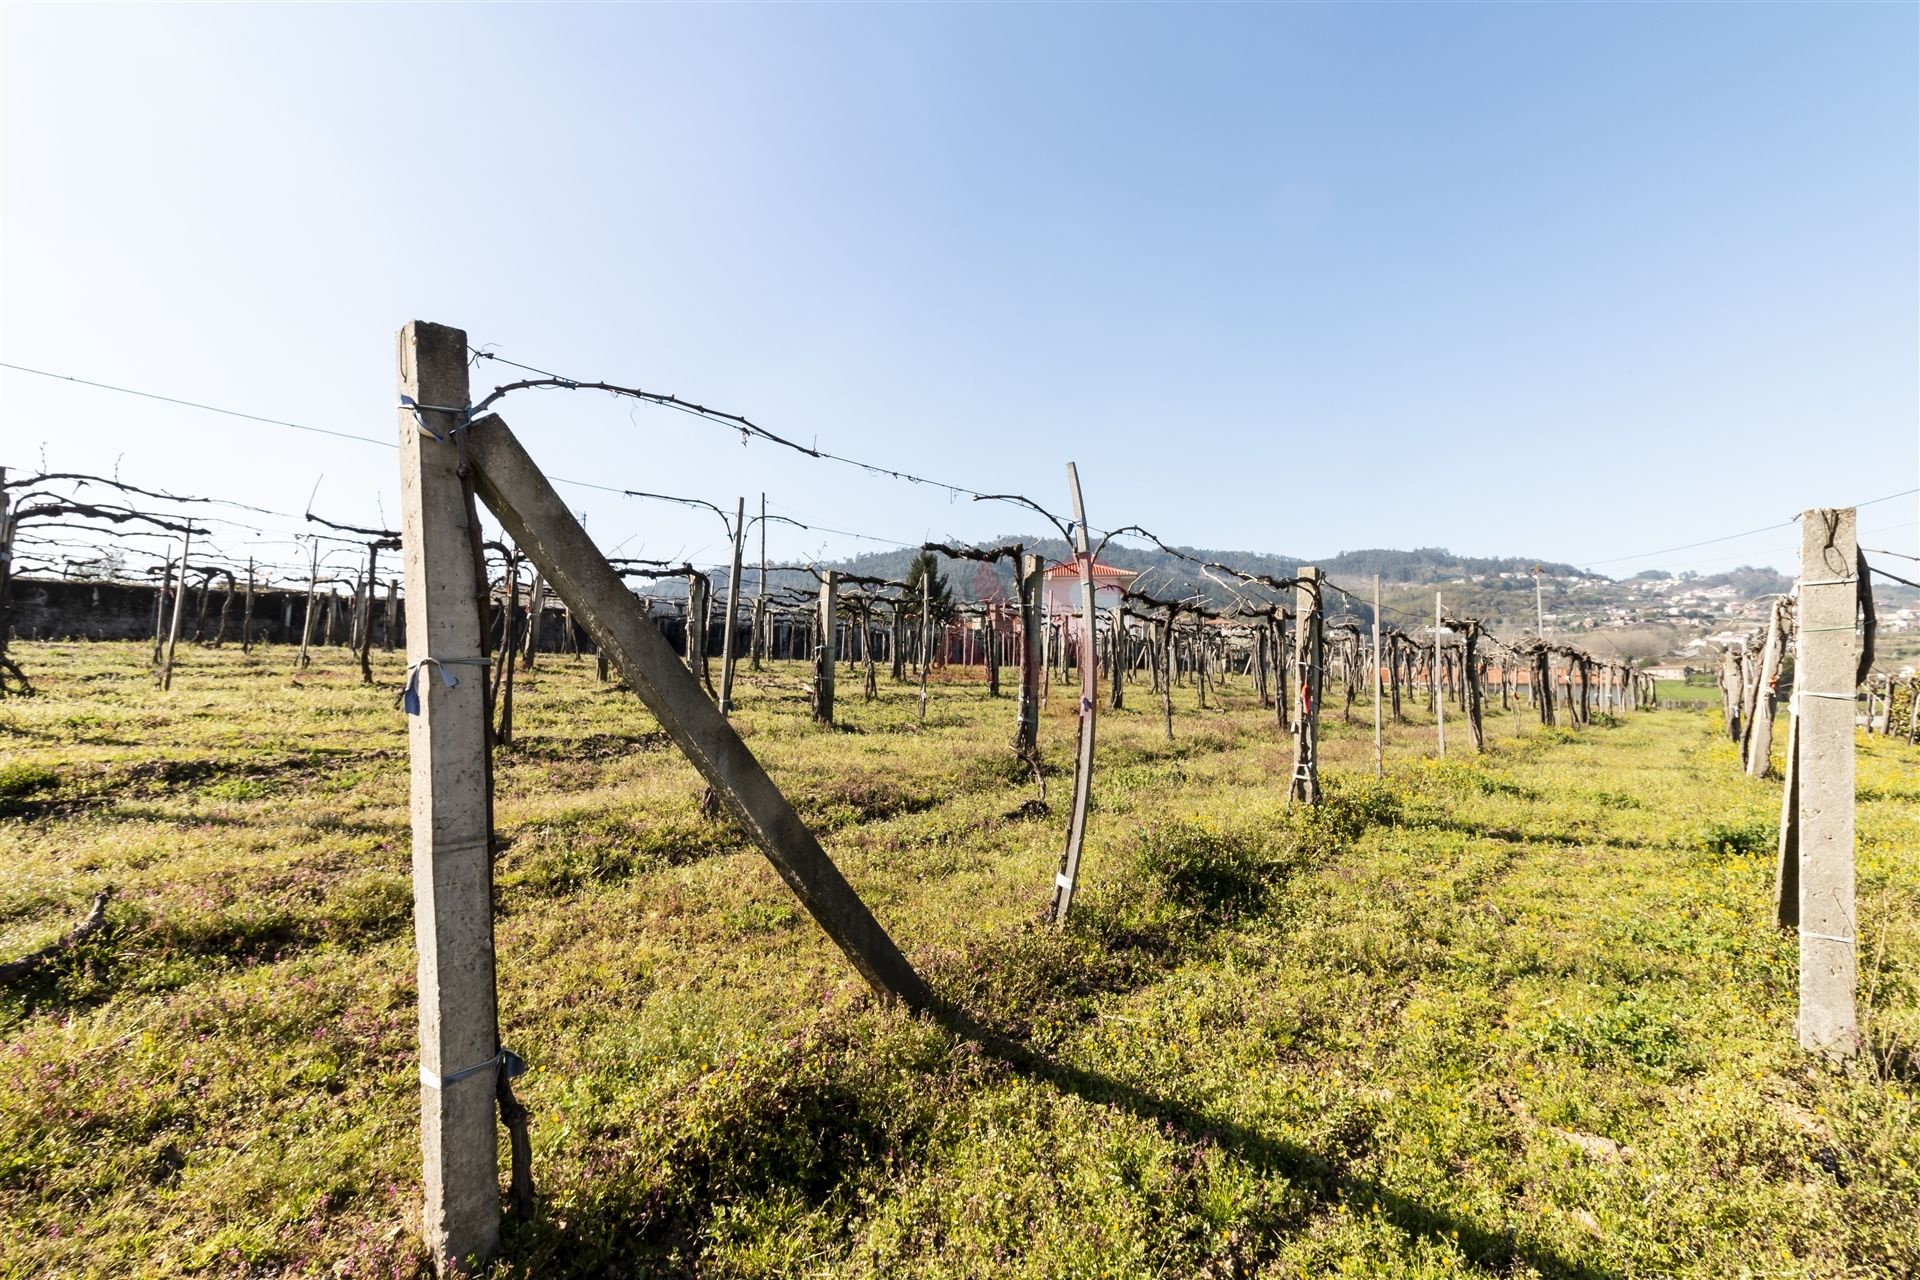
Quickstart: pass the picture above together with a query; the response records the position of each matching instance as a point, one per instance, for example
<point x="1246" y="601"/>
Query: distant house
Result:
<point x="1061" y="594"/>
<point x="1669" y="673"/>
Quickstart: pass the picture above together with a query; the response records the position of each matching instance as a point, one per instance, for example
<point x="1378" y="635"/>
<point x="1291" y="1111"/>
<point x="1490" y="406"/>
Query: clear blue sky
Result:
<point x="1562" y="281"/>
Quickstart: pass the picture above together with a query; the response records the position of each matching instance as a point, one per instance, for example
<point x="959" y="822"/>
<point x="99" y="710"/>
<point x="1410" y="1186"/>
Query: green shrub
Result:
<point x="20" y="780"/>
<point x="1737" y="839"/>
<point x="1637" y="1028"/>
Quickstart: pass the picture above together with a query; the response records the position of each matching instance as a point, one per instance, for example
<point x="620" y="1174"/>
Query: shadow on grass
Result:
<point x="1508" y="834"/>
<point x="1321" y="1177"/>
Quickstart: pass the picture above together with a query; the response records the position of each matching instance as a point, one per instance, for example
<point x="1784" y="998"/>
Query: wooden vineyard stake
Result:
<point x="1439" y="689"/>
<point x="1030" y="571"/>
<point x="524" y="501"/>
<point x="823" y="653"/>
<point x="179" y="607"/>
<point x="733" y="605"/>
<point x="1379" y="756"/>
<point x="1730" y="687"/>
<point x="246" y="615"/>
<point x="926" y="638"/>
<point x="1759" y="746"/>
<point x="1821" y="740"/>
<point x="1309" y="664"/>
<point x="1064" y="880"/>
<point x="313" y="587"/>
<point x="460" y="1055"/>
<point x="1786" y="872"/>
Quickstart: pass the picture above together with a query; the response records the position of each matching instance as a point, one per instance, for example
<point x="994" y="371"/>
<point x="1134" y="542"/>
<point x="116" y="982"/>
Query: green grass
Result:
<point x="1685" y="691"/>
<point x="1509" y="1015"/>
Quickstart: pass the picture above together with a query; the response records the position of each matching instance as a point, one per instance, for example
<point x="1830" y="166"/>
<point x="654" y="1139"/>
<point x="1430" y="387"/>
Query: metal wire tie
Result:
<point x="513" y="1062"/>
<point x="466" y="416"/>
<point x="410" y="692"/>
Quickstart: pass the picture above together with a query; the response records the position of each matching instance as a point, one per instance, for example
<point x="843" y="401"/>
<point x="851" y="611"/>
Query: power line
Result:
<point x="388" y="444"/>
<point x="195" y="404"/>
<point x="747" y="428"/>
<point x="1767" y="528"/>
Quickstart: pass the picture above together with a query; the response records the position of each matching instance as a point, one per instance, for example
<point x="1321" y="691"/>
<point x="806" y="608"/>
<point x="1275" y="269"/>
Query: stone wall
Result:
<point x="58" y="609"/>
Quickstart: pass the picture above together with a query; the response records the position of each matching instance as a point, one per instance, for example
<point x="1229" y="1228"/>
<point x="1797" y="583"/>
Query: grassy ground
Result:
<point x="1520" y="1014"/>
<point x="1685" y="691"/>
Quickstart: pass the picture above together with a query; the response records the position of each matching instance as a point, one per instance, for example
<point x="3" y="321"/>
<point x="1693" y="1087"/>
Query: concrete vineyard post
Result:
<point x="452" y="853"/>
<point x="1825" y="678"/>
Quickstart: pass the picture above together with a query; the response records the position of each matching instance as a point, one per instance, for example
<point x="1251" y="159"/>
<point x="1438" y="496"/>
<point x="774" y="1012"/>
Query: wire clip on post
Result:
<point x="514" y="1064"/>
<point x="409" y="696"/>
<point x="419" y="410"/>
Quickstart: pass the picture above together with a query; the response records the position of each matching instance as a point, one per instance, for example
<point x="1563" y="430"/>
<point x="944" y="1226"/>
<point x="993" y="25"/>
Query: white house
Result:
<point x="1061" y="593"/>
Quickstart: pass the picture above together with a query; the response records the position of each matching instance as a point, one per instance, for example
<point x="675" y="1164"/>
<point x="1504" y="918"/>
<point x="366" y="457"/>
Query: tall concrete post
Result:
<point x="1825" y="679"/>
<point x="452" y="857"/>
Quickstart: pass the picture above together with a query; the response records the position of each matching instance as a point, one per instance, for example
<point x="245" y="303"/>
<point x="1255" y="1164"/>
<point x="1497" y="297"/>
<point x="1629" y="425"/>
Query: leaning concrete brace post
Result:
<point x="1069" y="873"/>
<point x="1825" y="678"/>
<point x="452" y="857"/>
<point x="733" y="605"/>
<point x="179" y="600"/>
<point x="523" y="500"/>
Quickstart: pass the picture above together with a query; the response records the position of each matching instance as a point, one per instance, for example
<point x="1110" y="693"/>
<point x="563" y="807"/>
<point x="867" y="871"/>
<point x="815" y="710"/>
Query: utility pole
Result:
<point x="1539" y="608"/>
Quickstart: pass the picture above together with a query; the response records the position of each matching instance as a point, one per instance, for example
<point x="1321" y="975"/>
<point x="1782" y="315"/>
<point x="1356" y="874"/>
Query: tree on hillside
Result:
<point x="926" y="568"/>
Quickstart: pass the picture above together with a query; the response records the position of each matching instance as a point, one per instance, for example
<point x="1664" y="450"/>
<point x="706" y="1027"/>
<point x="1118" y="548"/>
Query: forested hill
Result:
<point x="1498" y="589"/>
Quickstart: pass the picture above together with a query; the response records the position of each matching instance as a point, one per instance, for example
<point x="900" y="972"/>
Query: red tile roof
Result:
<point x="1071" y="570"/>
